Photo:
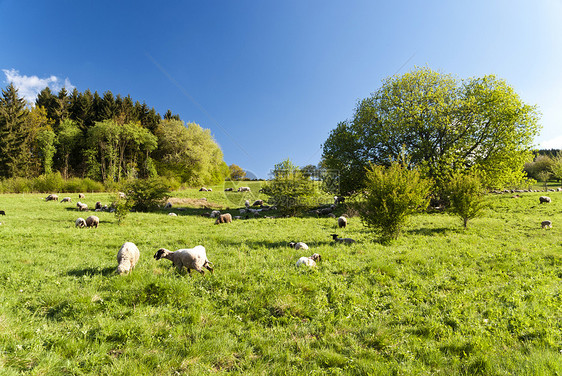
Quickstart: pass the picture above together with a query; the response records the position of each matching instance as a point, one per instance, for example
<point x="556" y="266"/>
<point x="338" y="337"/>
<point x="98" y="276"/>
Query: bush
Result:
<point x="466" y="196"/>
<point x="391" y="195"/>
<point x="48" y="183"/>
<point x="147" y="194"/>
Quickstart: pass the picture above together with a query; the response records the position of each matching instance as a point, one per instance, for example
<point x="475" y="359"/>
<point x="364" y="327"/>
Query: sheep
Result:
<point x="52" y="197"/>
<point x="81" y="195"/>
<point x="92" y="221"/>
<point x="309" y="261"/>
<point x="80" y="222"/>
<point x="342" y="240"/>
<point x="168" y="205"/>
<point x="203" y="189"/>
<point x="98" y="206"/>
<point x="127" y="258"/>
<point x="65" y="199"/>
<point x="339" y="200"/>
<point x="172" y="214"/>
<point x="224" y="218"/>
<point x="258" y="203"/>
<point x="2" y="212"/>
<point x="191" y="258"/>
<point x="121" y="195"/>
<point x="215" y="214"/>
<point x="546" y="224"/>
<point x="81" y="206"/>
<point x="299" y="245"/>
<point x="228" y="189"/>
<point x="244" y="189"/>
<point x="247" y="204"/>
<point x="544" y="199"/>
<point x="342" y="222"/>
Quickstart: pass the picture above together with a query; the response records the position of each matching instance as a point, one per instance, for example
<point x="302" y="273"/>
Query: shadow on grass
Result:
<point x="432" y="231"/>
<point x="91" y="271"/>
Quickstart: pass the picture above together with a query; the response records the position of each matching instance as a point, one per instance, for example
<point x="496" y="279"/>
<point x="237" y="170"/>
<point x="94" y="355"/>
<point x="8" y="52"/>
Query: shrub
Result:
<point x="122" y="208"/>
<point x="48" y="183"/>
<point x="147" y="194"/>
<point x="391" y="195"/>
<point x="466" y="196"/>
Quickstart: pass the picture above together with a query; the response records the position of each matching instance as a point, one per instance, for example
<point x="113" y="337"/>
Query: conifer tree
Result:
<point x="13" y="113"/>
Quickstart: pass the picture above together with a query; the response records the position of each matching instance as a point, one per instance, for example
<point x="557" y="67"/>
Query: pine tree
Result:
<point x="13" y="113"/>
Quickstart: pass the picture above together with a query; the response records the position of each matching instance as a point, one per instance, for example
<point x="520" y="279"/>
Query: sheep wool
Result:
<point x="191" y="258"/>
<point x="92" y="221"/>
<point x="224" y="218"/>
<point x="309" y="261"/>
<point x="80" y="222"/>
<point x="127" y="258"/>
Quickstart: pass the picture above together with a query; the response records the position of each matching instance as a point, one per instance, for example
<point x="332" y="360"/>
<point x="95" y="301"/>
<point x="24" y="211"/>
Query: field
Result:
<point x="441" y="300"/>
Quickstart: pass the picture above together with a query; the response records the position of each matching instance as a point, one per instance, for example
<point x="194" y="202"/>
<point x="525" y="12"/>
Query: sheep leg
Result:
<point x="206" y="265"/>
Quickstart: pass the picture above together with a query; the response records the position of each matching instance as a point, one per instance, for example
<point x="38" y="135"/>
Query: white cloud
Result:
<point x="553" y="143"/>
<point x="29" y="86"/>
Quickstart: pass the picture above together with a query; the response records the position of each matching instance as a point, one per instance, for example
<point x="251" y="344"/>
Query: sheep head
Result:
<point x="334" y="236"/>
<point x="162" y="253"/>
<point x="316" y="257"/>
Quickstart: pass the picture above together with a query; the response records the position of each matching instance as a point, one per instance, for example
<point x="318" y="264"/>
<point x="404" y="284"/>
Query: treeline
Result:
<point x="105" y="138"/>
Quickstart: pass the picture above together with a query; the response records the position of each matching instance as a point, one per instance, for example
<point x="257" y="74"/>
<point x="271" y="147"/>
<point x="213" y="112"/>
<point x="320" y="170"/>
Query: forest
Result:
<point x="107" y="138"/>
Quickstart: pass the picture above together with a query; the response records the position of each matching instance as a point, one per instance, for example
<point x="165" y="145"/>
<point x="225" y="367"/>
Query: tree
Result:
<point x="69" y="138"/>
<point x="13" y="135"/>
<point x="289" y="189"/>
<point x="311" y="172"/>
<point x="236" y="172"/>
<point x="556" y="167"/>
<point x="46" y="142"/>
<point x="147" y="194"/>
<point x="442" y="124"/>
<point x="392" y="194"/>
<point x="466" y="196"/>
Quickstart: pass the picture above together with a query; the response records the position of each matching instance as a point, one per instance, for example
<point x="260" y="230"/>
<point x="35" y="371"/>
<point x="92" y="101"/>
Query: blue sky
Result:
<point x="272" y="78"/>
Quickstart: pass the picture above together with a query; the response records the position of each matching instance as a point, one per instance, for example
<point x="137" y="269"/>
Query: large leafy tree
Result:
<point x="236" y="172"/>
<point x="441" y="124"/>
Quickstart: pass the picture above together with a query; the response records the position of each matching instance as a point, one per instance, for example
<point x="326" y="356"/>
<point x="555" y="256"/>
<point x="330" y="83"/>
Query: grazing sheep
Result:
<point x="299" y="245"/>
<point x="81" y="195"/>
<point x="309" y="261"/>
<point x="2" y="212"/>
<point x="342" y="222"/>
<point x="228" y="189"/>
<point x="92" y="221"/>
<point x="244" y="189"/>
<point x="247" y="204"/>
<point x="191" y="258"/>
<point x="203" y="189"/>
<point x="66" y="199"/>
<point x="127" y="258"/>
<point x="98" y="206"/>
<point x="80" y="222"/>
<point x="224" y="218"/>
<point x="81" y="206"/>
<point x="258" y="203"/>
<point x="52" y="197"/>
<point x="544" y="199"/>
<point x="215" y="214"/>
<point x="339" y="200"/>
<point x="172" y="214"/>
<point x="546" y="224"/>
<point x="342" y="240"/>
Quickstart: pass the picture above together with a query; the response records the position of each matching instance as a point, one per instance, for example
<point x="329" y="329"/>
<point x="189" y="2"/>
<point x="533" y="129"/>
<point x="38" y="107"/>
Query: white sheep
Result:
<point x="342" y="240"/>
<point x="299" y="245"/>
<point x="244" y="189"/>
<point x="92" y="221"/>
<point x="81" y="206"/>
<point x="81" y="195"/>
<point x="172" y="214"/>
<point x="544" y="199"/>
<point x="80" y="222"/>
<point x="127" y="258"/>
<point x="309" y="261"/>
<point x="65" y="199"/>
<point x="342" y="222"/>
<point x="52" y="197"/>
<point x="191" y="258"/>
<point x="546" y="224"/>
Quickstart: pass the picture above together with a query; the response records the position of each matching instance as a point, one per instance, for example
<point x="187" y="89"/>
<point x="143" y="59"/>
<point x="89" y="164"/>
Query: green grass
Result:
<point x="441" y="300"/>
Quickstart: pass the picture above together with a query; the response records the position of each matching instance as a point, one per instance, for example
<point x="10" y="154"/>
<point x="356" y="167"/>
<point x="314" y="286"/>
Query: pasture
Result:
<point x="441" y="300"/>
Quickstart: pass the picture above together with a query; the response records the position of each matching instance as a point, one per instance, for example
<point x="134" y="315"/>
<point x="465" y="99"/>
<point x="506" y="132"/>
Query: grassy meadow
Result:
<point x="441" y="300"/>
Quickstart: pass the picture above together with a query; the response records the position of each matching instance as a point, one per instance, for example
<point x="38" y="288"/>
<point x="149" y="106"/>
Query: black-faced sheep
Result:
<point x="127" y="258"/>
<point x="309" y="261"/>
<point x="98" y="206"/>
<point x="80" y="222"/>
<point x="299" y="245"/>
<point x="52" y="197"/>
<point x="203" y="189"/>
<point x="66" y="199"/>
<point x="546" y="224"/>
<point x="342" y="222"/>
<point x="544" y="199"/>
<point x="342" y="240"/>
<point x="224" y="218"/>
<point x="191" y="258"/>
<point x="92" y="221"/>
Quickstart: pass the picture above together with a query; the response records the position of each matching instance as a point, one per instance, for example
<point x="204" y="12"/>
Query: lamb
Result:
<point x="127" y="258"/>
<point x="309" y="261"/>
<point x="92" y="221"/>
<point x="191" y="258"/>
<point x="546" y="224"/>
<point x="81" y="206"/>
<point x="342" y="222"/>
<point x="52" y="197"/>
<point x="299" y="245"/>
<point x="544" y="199"/>
<point x="81" y="195"/>
<point x="224" y="218"/>
<point x="244" y="189"/>
<point x="342" y="240"/>
<point x="80" y="222"/>
<point x="66" y="199"/>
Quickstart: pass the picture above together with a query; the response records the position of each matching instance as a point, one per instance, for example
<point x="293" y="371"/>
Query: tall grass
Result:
<point x="440" y="300"/>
